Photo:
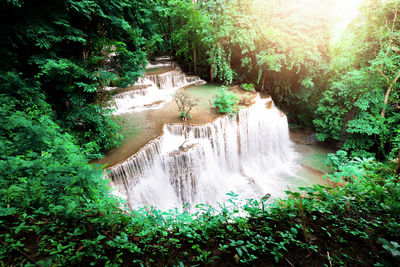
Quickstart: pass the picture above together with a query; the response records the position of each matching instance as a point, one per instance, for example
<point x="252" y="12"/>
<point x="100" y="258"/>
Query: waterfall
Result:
<point x="152" y="90"/>
<point x="248" y="154"/>
<point x="169" y="79"/>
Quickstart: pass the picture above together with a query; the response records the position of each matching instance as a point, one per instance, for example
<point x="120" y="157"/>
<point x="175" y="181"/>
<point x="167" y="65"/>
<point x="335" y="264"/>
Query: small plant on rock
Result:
<point x="248" y="87"/>
<point x="226" y="102"/>
<point x="185" y="103"/>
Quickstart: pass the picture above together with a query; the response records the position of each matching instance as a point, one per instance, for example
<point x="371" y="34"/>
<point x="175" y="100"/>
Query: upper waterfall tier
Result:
<point x="249" y="154"/>
<point x="153" y="89"/>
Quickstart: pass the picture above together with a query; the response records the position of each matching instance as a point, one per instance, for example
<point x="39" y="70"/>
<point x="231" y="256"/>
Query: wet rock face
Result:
<point x="304" y="136"/>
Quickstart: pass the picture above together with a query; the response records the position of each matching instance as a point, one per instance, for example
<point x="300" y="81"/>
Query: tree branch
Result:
<point x="390" y="40"/>
<point x="395" y="17"/>
<point x="388" y="92"/>
<point x="397" y="171"/>
<point x="383" y="75"/>
<point x="24" y="254"/>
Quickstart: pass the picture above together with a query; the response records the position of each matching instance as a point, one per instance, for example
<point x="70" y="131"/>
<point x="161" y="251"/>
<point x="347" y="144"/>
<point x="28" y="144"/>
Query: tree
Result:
<point x="185" y="103"/>
<point x="278" y="45"/>
<point x="358" y="108"/>
<point x="389" y="42"/>
<point x="65" y="45"/>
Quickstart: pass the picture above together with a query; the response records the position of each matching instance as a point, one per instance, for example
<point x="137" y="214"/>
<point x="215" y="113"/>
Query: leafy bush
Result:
<point x="39" y="163"/>
<point x="349" y="112"/>
<point x="348" y="222"/>
<point x="336" y="160"/>
<point x="93" y="128"/>
<point x="65" y="49"/>
<point x="55" y="209"/>
<point x="226" y="102"/>
<point x="248" y="87"/>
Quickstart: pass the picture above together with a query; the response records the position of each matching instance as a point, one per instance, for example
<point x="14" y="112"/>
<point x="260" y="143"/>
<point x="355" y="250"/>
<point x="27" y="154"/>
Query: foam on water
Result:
<point x="250" y="154"/>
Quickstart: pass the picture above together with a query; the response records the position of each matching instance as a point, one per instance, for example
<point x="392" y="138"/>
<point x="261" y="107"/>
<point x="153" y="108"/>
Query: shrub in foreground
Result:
<point x="356" y="224"/>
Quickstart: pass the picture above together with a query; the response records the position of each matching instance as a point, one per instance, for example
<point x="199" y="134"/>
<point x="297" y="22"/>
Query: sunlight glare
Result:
<point x="343" y="12"/>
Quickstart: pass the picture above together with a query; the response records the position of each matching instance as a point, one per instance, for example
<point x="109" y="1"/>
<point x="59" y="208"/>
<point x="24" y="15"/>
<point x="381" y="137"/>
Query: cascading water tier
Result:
<point x="249" y="154"/>
<point x="154" y="89"/>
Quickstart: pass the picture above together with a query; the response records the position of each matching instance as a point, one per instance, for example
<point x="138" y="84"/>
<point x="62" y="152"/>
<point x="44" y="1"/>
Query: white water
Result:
<point x="155" y="89"/>
<point x="250" y="155"/>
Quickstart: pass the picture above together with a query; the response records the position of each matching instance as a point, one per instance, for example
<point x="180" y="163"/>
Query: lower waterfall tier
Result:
<point x="248" y="154"/>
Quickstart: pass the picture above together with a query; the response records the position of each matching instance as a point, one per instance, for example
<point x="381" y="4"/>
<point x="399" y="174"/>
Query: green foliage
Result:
<point x="272" y="44"/>
<point x="350" y="110"/>
<point x="58" y="56"/>
<point x="47" y="189"/>
<point x="248" y="87"/>
<point x="392" y="247"/>
<point x="335" y="161"/>
<point x="73" y="49"/>
<point x="95" y="131"/>
<point x="349" y="221"/>
<point x="40" y="165"/>
<point x="226" y="102"/>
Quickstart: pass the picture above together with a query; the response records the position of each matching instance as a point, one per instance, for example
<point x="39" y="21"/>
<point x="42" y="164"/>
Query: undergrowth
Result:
<point x="355" y="224"/>
<point x="226" y="101"/>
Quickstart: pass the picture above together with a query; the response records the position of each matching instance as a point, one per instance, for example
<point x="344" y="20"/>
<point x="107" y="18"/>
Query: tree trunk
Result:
<point x="212" y="73"/>
<point x="194" y="58"/>
<point x="84" y="56"/>
<point x="194" y="41"/>
<point x="397" y="170"/>
<point x="388" y="93"/>
<point x="398" y="164"/>
<point x="263" y="83"/>
<point x="380" y="68"/>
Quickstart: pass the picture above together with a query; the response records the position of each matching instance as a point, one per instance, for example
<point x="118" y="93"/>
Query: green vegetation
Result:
<point x="354" y="109"/>
<point x="280" y="46"/>
<point x="248" y="87"/>
<point x="226" y="101"/>
<point x="65" y="49"/>
<point x="347" y="89"/>
<point x="355" y="224"/>
<point x="58" y="57"/>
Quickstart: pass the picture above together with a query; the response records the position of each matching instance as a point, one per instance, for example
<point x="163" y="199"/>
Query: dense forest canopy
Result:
<point x="345" y="87"/>
<point x="58" y="58"/>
